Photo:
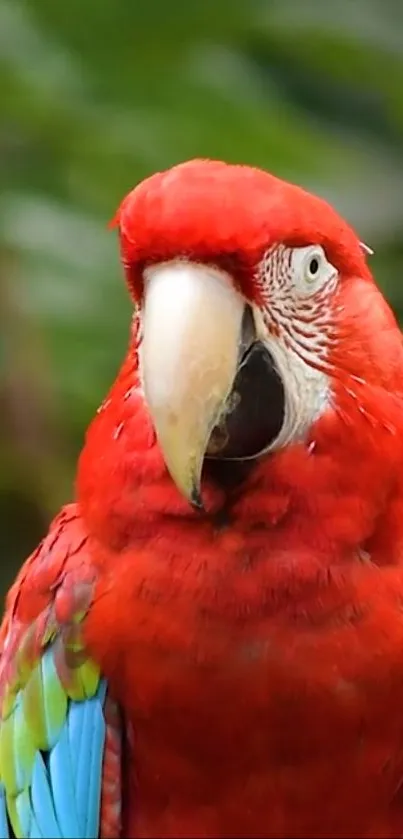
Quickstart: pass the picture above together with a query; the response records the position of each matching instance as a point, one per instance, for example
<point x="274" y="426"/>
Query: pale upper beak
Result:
<point x="191" y="325"/>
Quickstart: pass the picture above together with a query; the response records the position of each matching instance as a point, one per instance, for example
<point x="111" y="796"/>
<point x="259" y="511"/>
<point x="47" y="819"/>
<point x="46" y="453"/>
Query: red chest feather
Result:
<point x="259" y="703"/>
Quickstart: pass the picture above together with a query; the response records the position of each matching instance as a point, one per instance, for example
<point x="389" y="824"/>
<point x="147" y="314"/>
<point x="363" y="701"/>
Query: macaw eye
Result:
<point x="314" y="264"/>
<point x="311" y="269"/>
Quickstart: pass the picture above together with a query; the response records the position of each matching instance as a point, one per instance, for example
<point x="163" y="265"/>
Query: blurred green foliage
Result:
<point x="95" y="96"/>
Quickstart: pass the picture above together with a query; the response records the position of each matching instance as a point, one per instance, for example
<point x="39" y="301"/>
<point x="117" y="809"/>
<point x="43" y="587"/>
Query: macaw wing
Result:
<point x="59" y="730"/>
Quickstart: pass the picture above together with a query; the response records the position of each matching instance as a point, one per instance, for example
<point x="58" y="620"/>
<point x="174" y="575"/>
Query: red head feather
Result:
<point x="210" y="211"/>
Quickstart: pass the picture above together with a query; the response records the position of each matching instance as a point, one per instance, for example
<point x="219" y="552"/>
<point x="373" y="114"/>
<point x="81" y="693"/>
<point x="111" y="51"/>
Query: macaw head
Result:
<point x="259" y="317"/>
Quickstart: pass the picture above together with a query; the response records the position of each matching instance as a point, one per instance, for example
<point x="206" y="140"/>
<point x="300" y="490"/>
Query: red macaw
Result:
<point x="209" y="640"/>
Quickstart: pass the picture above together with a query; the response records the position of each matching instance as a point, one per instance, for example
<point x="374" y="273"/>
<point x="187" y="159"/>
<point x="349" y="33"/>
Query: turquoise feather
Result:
<point x="63" y="798"/>
<point x="4" y="829"/>
<point x="42" y="800"/>
<point x="59" y="732"/>
<point x="53" y="791"/>
<point x="86" y="723"/>
<point x="63" y="786"/>
<point x="96" y="736"/>
<point x="35" y="832"/>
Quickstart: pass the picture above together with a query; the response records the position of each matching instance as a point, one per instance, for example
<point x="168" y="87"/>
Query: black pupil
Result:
<point x="314" y="265"/>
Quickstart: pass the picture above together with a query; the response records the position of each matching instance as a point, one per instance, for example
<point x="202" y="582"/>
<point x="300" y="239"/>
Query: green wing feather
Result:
<point x="44" y="667"/>
<point x="34" y="710"/>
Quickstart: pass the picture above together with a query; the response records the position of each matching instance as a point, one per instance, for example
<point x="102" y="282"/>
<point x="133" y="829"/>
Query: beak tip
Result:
<point x="196" y="499"/>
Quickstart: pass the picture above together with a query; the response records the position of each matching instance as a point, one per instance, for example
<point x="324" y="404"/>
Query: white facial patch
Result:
<point x="295" y="324"/>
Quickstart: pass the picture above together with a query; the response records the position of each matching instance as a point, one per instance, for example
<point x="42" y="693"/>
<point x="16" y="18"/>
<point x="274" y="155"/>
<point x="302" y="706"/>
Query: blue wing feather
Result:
<point x="60" y="733"/>
<point x="35" y="833"/>
<point x="96" y="735"/>
<point x="4" y="828"/>
<point x="64" y="796"/>
<point x="42" y="800"/>
<point x="63" y="787"/>
<point x="77" y="721"/>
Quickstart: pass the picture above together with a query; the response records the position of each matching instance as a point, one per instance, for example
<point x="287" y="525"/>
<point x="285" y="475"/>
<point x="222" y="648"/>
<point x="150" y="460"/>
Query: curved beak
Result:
<point x="192" y="320"/>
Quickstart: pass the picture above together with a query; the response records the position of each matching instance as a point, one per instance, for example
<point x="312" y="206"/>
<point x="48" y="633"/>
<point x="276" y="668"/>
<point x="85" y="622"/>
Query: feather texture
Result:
<point x="51" y="752"/>
<point x="53" y="703"/>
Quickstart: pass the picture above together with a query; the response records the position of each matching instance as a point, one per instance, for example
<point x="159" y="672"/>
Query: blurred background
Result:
<point x="96" y="95"/>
